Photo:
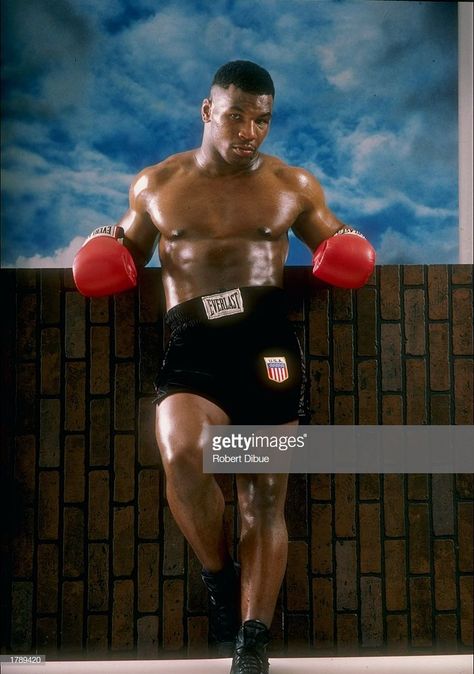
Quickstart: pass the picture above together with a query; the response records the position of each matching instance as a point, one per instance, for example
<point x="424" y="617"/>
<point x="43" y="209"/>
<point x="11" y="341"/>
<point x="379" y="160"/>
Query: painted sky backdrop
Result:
<point x="94" y="90"/>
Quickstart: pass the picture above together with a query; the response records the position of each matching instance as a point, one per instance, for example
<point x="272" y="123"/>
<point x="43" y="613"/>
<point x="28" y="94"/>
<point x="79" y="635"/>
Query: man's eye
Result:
<point x="261" y="123"/>
<point x="234" y="115"/>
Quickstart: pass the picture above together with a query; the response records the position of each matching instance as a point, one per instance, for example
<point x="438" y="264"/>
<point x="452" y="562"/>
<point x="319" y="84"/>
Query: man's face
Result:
<point x="238" y="123"/>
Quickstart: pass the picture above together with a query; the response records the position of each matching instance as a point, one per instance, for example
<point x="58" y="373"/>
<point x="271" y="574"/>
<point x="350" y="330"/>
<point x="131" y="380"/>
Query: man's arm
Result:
<point x="342" y="256"/>
<point x="107" y="262"/>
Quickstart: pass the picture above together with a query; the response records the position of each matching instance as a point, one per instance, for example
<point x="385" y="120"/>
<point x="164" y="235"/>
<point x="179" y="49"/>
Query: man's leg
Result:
<point x="197" y="504"/>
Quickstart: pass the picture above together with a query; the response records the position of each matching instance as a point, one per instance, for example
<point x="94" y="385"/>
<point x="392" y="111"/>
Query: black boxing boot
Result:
<point x="250" y="655"/>
<point x="224" y="608"/>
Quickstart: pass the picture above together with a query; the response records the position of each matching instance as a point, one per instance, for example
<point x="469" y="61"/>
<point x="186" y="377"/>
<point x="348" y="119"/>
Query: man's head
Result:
<point x="245" y="75"/>
<point x="237" y="113"/>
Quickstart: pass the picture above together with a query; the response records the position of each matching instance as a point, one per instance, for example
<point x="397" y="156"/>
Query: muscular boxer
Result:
<point x="221" y="214"/>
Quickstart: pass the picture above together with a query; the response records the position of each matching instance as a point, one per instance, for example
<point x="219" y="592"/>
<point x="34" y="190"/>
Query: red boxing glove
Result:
<point x="346" y="260"/>
<point x="103" y="266"/>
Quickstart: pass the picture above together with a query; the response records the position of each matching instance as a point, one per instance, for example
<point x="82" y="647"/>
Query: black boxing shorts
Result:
<point x="237" y="349"/>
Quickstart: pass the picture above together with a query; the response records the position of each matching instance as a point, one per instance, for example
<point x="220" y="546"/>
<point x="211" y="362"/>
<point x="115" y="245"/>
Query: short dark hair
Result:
<point x="245" y="75"/>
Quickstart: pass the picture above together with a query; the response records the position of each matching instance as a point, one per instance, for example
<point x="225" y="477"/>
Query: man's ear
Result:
<point x="206" y="110"/>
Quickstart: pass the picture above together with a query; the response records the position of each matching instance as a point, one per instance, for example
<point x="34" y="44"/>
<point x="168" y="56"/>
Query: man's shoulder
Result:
<point x="294" y="176"/>
<point x="169" y="166"/>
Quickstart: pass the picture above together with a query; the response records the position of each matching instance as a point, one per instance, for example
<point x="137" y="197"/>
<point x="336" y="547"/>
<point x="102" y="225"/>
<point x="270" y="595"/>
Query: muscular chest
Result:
<point x="220" y="209"/>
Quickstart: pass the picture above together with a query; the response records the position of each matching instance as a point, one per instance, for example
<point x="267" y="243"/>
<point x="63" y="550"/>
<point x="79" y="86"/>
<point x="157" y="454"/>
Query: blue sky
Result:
<point x="94" y="90"/>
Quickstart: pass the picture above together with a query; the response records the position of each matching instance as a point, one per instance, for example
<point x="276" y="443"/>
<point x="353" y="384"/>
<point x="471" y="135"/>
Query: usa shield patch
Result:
<point x="277" y="369"/>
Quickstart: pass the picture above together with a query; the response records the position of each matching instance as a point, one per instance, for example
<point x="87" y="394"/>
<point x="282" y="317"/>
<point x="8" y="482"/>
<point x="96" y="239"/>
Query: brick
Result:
<point x="463" y="391"/>
<point x="343" y="373"/>
<point x="148" y="453"/>
<point x="173" y="557"/>
<point x="297" y="627"/>
<point x="50" y="377"/>
<point x="123" y="541"/>
<point x="369" y="486"/>
<point x="196" y="592"/>
<point x="344" y="412"/>
<point x="347" y="631"/>
<point x="397" y="633"/>
<point x="415" y="392"/>
<point x="413" y="274"/>
<point x="462" y="322"/>
<point x="99" y="452"/>
<point x="445" y="633"/>
<point x="26" y="398"/>
<point x="173" y="600"/>
<point x="369" y="528"/>
<point x="75" y="396"/>
<point x="21" y="616"/>
<point x="197" y="636"/>
<point x="346" y="575"/>
<point x="148" y="503"/>
<point x="99" y="309"/>
<point x="73" y="542"/>
<point x="148" y="577"/>
<point x="47" y="578"/>
<point x="444" y="575"/>
<point x="439" y="357"/>
<point x="297" y="506"/>
<point x="440" y="409"/>
<point x="124" y="305"/>
<point x="98" y="525"/>
<point x="24" y="467"/>
<point x="321" y="487"/>
<point x="437" y="292"/>
<point x="421" y="612"/>
<point x="321" y="538"/>
<point x="323" y="612"/>
<point x="341" y="304"/>
<point x="392" y="410"/>
<point x="150" y="296"/>
<point x="367" y="392"/>
<point x="390" y="292"/>
<point x="49" y="436"/>
<point x="124" y="457"/>
<point x="48" y="505"/>
<point x="50" y="294"/>
<point x="122" y="616"/>
<point x="47" y="635"/>
<point x="394" y="505"/>
<point x="443" y="504"/>
<point x="371" y="611"/>
<point x="98" y="577"/>
<point x="72" y="615"/>
<point x="97" y="635"/>
<point x="23" y="550"/>
<point x="466" y="606"/>
<point x="124" y="399"/>
<point x="75" y="325"/>
<point x="99" y="360"/>
<point x="414" y="300"/>
<point x="391" y="357"/>
<point x="395" y="575"/>
<point x="465" y="485"/>
<point x="465" y="536"/>
<point x="417" y="487"/>
<point x="419" y="538"/>
<point x="461" y="273"/>
<point x="26" y="323"/>
<point x="297" y="576"/>
<point x="366" y="322"/>
<point x="345" y="505"/>
<point x="74" y="469"/>
<point x="319" y="397"/>
<point x="68" y="279"/>
<point x="319" y="323"/>
<point x="150" y="340"/>
<point x="148" y="629"/>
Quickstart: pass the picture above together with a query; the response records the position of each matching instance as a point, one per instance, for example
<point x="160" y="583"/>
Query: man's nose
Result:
<point x="247" y="130"/>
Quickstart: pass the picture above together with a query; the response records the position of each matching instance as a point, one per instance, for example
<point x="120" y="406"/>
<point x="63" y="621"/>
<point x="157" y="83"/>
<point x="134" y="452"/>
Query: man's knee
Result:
<point x="263" y="500"/>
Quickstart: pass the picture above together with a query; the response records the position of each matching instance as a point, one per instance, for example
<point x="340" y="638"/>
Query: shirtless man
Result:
<point x="221" y="215"/>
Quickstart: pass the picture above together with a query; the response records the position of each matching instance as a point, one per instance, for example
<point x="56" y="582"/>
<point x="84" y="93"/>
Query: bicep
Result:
<point x="141" y="235"/>
<point x="316" y="225"/>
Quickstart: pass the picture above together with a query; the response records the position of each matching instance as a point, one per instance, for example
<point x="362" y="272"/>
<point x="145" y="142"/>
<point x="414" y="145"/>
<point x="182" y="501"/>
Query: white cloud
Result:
<point x="63" y="257"/>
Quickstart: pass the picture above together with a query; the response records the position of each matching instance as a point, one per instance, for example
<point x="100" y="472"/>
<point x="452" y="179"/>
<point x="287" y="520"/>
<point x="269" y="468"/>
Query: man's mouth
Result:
<point x="244" y="150"/>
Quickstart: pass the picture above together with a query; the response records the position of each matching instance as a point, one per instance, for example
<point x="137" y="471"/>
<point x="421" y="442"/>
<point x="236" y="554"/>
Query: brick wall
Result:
<point x="95" y="565"/>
